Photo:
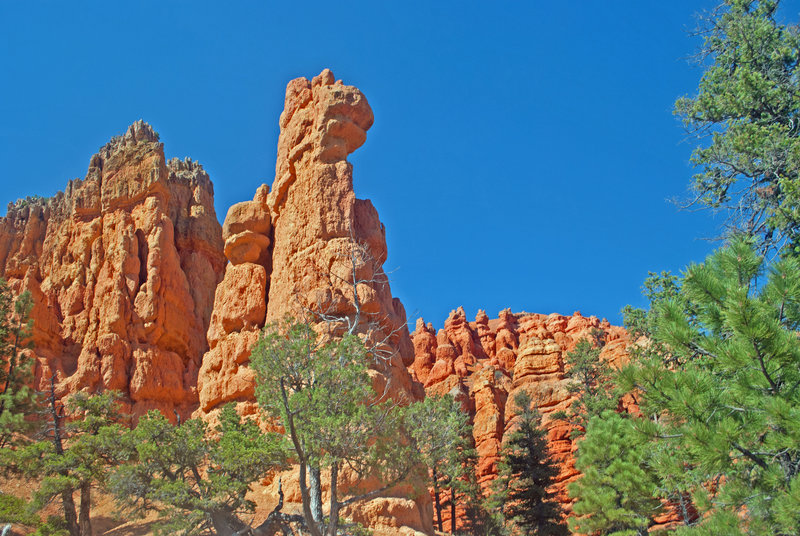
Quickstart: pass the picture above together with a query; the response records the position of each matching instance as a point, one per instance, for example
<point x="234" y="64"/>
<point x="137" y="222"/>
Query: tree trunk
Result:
<point x="333" y="524"/>
<point x="452" y="510"/>
<point x="70" y="515"/>
<point x="84" y="520"/>
<point x="226" y="523"/>
<point x="437" y="500"/>
<point x="313" y="528"/>
<point x="315" y="493"/>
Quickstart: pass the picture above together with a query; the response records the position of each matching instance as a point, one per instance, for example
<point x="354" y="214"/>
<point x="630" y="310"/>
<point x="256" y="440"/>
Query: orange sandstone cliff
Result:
<point x="122" y="266"/>
<point x="309" y="248"/>
<point x="485" y="363"/>
<point x="292" y="249"/>
<point x="138" y="288"/>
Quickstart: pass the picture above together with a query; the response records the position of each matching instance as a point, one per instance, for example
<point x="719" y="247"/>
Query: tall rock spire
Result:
<point x="310" y="249"/>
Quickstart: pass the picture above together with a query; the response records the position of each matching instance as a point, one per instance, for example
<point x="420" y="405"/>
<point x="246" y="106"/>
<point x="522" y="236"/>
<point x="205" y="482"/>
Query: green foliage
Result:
<point x="78" y="455"/>
<point x="15" y="510"/>
<point x="54" y="526"/>
<point x="641" y="323"/>
<point x="441" y="436"/>
<point x="746" y="114"/>
<point x="657" y="288"/>
<point x="321" y="391"/>
<point x="526" y="472"/>
<point x="616" y="492"/>
<point x="438" y="430"/>
<point x="725" y="413"/>
<point x="196" y="479"/>
<point x="592" y="382"/>
<point x="324" y="393"/>
<point x="16" y="395"/>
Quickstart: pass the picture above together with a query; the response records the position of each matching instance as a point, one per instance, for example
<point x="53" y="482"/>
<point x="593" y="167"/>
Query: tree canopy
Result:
<point x="527" y="473"/>
<point x="746" y="114"/>
<point x="16" y="394"/>
<point x="320" y="390"/>
<point x="196" y="477"/>
<point x="724" y="413"/>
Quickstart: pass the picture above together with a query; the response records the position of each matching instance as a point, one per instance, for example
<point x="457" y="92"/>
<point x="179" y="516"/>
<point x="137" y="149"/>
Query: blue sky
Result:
<point x="523" y="153"/>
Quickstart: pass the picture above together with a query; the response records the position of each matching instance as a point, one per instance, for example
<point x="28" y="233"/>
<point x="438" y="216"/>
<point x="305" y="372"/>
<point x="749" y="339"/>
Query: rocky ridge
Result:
<point x="138" y="288"/>
<point x="485" y="363"/>
<point x="122" y="266"/>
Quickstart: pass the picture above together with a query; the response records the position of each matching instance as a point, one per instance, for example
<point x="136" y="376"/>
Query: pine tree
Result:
<point x="725" y="412"/>
<point x="745" y="115"/>
<point x="195" y="477"/>
<point x="592" y="383"/>
<point x="16" y="394"/>
<point x="440" y="432"/>
<point x="527" y="474"/>
<point x="82" y="445"/>
<point x="616" y="491"/>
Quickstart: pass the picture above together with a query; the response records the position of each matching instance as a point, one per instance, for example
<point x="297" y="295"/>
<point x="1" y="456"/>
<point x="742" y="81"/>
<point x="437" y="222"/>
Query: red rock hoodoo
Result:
<point x="293" y="250"/>
<point x="486" y="362"/>
<point x="122" y="267"/>
<point x="138" y="288"/>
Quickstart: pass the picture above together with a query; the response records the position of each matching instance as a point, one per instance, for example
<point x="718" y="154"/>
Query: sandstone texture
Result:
<point x="310" y="249"/>
<point x="122" y="266"/>
<point x="485" y="363"/>
<point x="240" y="306"/>
<point x="138" y="288"/>
<point x="329" y="247"/>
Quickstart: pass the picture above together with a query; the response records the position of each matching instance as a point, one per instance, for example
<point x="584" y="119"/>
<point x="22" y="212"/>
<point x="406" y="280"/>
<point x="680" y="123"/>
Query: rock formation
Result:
<point x="486" y="362"/>
<point x="138" y="288"/>
<point x="122" y="266"/>
<point x="240" y="305"/>
<point x="126" y="269"/>
<point x="310" y="249"/>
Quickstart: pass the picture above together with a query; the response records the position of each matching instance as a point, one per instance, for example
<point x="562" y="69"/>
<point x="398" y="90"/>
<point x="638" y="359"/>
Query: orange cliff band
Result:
<point x="138" y="288"/>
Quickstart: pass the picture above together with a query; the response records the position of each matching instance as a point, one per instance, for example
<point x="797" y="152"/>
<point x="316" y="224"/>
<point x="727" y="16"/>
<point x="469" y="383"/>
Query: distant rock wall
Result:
<point x="485" y="363"/>
<point x="122" y="266"/>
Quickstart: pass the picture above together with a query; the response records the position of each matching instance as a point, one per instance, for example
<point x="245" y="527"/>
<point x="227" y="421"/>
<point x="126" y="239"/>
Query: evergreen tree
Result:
<point x="725" y="414"/>
<point x="747" y="115"/>
<point x="16" y="395"/>
<point x="321" y="392"/>
<point x="481" y="517"/>
<point x="672" y="473"/>
<point x="196" y="478"/>
<point x="592" y="382"/>
<point x="657" y="288"/>
<point x="527" y="473"/>
<point x="616" y="491"/>
<point x="82" y="446"/>
<point x="439" y="430"/>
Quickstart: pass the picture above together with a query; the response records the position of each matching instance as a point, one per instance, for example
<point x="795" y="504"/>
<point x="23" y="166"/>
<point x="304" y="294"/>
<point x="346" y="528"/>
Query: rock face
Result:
<point x="486" y="362"/>
<point x="122" y="266"/>
<point x="310" y="249"/>
<point x="329" y="247"/>
<point x="240" y="305"/>
<point x="138" y="288"/>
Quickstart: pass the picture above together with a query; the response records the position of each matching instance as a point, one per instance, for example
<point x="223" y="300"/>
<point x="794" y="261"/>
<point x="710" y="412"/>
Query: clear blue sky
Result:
<point x="523" y="153"/>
